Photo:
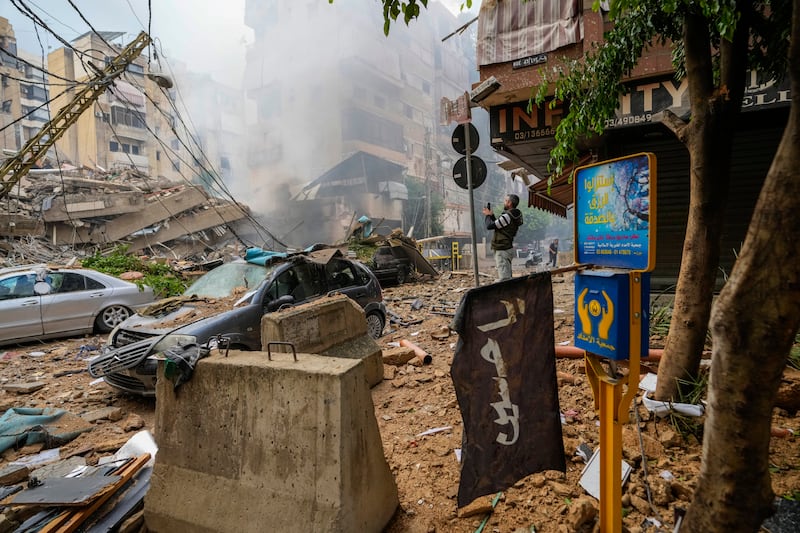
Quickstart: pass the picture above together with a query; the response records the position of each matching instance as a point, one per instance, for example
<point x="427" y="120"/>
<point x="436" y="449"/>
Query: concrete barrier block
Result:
<point x="252" y="445"/>
<point x="333" y="326"/>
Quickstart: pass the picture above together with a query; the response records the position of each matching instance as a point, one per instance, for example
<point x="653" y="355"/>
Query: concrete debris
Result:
<point x="49" y="214"/>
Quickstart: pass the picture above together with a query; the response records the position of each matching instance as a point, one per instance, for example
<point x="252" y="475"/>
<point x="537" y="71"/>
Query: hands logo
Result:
<point x="595" y="309"/>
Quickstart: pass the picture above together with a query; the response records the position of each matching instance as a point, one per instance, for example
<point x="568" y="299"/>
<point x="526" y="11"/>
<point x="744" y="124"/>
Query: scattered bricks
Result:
<point x="480" y="506"/>
<point x="24" y="388"/>
<point x="631" y="449"/>
<point x="581" y="512"/>
<point x="660" y="491"/>
<point x="564" y="377"/>
<point x="389" y="372"/>
<point x="641" y="505"/>
<point x="681" y="491"/>
<point x="11" y="474"/>
<point x="561" y="489"/>
<point x="669" y="439"/>
<point x="554" y="475"/>
<point x="538" y="480"/>
<point x="106" y="413"/>
<point x="134" y="422"/>
<point x="397" y="356"/>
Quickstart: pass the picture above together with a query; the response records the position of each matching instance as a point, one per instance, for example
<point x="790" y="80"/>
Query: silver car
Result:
<point x="42" y="302"/>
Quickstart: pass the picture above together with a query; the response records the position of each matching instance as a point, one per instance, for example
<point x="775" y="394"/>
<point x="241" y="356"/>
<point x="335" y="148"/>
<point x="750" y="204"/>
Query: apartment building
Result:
<point x="130" y="126"/>
<point x="336" y="87"/>
<point x="23" y="92"/>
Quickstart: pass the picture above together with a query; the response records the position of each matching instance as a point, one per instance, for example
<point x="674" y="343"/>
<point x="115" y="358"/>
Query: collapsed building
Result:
<point x="149" y="215"/>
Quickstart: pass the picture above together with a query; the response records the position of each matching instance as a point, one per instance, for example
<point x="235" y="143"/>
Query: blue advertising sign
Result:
<point x="615" y="213"/>
<point x="603" y="313"/>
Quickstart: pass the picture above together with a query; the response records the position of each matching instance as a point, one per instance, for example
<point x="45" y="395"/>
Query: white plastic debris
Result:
<point x="434" y="430"/>
<point x="137" y="445"/>
<point x="648" y="382"/>
<point x="664" y="408"/>
<point x="666" y="474"/>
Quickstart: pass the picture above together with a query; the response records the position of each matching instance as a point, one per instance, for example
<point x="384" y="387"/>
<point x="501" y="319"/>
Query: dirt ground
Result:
<point x="417" y="399"/>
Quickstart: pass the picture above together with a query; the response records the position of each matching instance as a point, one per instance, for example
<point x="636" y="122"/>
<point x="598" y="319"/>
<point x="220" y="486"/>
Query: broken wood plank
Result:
<point x="69" y="521"/>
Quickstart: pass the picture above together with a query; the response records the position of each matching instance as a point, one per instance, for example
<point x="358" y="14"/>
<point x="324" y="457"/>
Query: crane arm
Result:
<point x="18" y="165"/>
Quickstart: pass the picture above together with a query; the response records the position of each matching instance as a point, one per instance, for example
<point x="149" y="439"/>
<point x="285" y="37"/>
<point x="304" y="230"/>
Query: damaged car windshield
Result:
<point x="223" y="280"/>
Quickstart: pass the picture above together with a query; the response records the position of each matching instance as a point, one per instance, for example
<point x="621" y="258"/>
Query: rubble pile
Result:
<point x="75" y="210"/>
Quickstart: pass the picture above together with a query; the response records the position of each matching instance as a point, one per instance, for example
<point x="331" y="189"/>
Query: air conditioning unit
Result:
<point x="98" y="114"/>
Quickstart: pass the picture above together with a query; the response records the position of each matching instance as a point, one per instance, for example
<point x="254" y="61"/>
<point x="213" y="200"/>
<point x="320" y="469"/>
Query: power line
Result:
<point x="26" y="115"/>
<point x="40" y="69"/>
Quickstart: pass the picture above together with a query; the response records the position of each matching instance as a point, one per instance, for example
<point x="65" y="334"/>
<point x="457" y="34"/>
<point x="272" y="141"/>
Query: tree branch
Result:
<point x="674" y="123"/>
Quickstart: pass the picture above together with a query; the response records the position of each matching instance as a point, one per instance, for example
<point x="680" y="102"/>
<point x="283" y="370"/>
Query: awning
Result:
<point x="560" y="196"/>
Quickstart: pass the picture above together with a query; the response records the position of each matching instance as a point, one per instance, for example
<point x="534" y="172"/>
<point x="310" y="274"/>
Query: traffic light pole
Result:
<point x="471" y="207"/>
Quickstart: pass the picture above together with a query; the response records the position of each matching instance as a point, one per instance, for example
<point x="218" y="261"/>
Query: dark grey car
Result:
<point x="230" y="301"/>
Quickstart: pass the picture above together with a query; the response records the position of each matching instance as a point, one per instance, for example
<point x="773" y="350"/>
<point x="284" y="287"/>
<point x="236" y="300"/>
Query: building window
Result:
<point x="33" y="92"/>
<point x="126" y="148"/>
<point x="426" y="87"/>
<point x="380" y="101"/>
<point x="175" y="144"/>
<point x="113" y="146"/>
<point x="158" y="155"/>
<point x="224" y="163"/>
<point x="127" y="117"/>
<point x="408" y="110"/>
<point x="135" y="149"/>
<point x="176" y="166"/>
<point x="360" y="125"/>
<point x="135" y="69"/>
<point x="7" y="106"/>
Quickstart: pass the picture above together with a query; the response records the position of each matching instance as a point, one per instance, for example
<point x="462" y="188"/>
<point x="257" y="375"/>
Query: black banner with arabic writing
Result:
<point x="504" y="374"/>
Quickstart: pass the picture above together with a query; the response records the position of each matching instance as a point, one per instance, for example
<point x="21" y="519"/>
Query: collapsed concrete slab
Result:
<point x="333" y="326"/>
<point x="251" y="444"/>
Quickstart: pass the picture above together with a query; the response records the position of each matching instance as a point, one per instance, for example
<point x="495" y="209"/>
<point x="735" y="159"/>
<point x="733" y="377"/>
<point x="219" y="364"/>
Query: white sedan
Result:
<point x="42" y="302"/>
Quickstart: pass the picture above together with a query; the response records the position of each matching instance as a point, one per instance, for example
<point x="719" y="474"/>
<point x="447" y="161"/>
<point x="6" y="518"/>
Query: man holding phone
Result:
<point x="505" y="228"/>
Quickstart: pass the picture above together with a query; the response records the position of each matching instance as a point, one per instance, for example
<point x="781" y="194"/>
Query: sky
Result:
<point x="196" y="32"/>
<point x="199" y="33"/>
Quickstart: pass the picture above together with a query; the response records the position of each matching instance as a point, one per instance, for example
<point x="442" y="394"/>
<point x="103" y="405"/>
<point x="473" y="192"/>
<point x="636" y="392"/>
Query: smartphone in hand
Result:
<point x="488" y="205"/>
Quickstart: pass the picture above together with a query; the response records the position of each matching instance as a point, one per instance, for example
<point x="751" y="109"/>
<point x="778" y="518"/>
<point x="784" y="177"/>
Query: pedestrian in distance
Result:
<point x="553" y="252"/>
<point x="505" y="228"/>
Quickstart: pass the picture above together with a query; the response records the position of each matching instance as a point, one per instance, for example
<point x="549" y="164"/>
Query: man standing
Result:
<point x="505" y="228"/>
<point x="554" y="252"/>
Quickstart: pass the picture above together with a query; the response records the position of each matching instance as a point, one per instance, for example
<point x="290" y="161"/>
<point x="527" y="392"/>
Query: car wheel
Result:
<point x="401" y="276"/>
<point x="111" y="317"/>
<point x="375" y="323"/>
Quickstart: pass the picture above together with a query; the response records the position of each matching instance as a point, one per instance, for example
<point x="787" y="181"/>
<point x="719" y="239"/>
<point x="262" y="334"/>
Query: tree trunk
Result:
<point x="754" y="323"/>
<point x="709" y="138"/>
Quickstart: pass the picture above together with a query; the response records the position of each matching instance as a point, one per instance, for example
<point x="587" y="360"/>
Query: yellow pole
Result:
<point x="613" y="407"/>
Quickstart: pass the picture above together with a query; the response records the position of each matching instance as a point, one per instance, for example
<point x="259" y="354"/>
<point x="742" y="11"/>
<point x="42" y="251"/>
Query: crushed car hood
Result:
<point x="172" y="313"/>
